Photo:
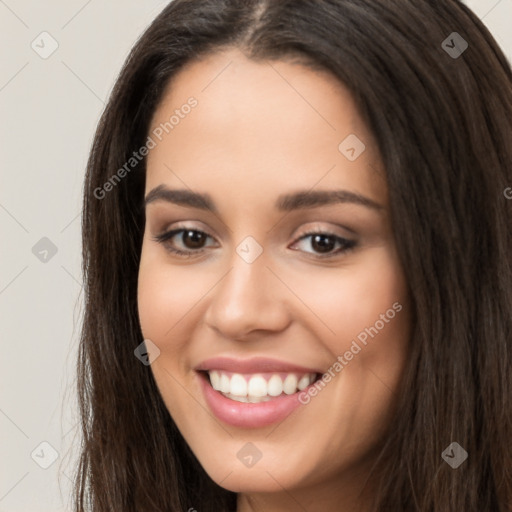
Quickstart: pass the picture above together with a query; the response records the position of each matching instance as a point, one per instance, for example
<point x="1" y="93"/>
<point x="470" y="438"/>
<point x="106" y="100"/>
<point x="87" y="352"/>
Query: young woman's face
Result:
<point x="258" y="303"/>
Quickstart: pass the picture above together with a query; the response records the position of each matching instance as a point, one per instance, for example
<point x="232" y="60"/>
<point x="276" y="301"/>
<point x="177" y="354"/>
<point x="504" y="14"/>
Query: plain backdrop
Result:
<point x="49" y="108"/>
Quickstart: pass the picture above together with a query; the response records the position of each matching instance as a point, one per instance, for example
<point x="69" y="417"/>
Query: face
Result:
<point x="283" y="319"/>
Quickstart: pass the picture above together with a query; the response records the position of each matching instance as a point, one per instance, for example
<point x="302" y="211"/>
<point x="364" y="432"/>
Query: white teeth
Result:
<point x="215" y="380"/>
<point x="257" y="399"/>
<point x="256" y="388"/>
<point x="290" y="384"/>
<point x="303" y="383"/>
<point x="238" y="398"/>
<point x="275" y="385"/>
<point x="224" y="383"/>
<point x="248" y="399"/>
<point x="238" y="385"/>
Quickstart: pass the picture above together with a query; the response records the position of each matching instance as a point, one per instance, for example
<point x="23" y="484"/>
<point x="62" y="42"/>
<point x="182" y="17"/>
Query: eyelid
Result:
<point x="314" y="229"/>
<point x="348" y="244"/>
<point x="319" y="228"/>
<point x="171" y="232"/>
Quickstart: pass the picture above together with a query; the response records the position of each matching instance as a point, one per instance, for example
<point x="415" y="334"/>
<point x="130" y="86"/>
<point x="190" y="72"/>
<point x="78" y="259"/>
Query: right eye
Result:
<point x="192" y="241"/>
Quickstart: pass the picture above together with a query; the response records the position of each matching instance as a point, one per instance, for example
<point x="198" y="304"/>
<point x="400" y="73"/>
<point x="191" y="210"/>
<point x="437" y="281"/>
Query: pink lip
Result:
<point x="253" y="365"/>
<point x="247" y="415"/>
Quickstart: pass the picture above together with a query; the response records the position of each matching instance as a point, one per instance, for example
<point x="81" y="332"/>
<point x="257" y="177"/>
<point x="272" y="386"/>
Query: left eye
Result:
<point x="324" y="243"/>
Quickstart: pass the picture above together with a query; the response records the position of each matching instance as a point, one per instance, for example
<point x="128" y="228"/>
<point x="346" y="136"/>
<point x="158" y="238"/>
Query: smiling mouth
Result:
<point x="258" y="387"/>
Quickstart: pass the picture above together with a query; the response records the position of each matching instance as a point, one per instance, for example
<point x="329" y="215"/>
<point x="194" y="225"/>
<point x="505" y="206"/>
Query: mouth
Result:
<point x="255" y="393"/>
<point x="259" y="387"/>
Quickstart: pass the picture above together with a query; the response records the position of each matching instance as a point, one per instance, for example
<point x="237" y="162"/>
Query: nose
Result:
<point x="248" y="298"/>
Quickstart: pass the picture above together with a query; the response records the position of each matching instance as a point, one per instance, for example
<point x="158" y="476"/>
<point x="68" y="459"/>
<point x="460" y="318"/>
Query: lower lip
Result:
<point x="247" y="415"/>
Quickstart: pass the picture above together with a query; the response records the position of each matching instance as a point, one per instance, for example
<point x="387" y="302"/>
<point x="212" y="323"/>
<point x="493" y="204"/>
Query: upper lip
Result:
<point x="253" y="365"/>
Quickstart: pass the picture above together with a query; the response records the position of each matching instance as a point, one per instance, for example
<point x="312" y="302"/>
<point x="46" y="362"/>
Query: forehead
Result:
<point x="260" y="125"/>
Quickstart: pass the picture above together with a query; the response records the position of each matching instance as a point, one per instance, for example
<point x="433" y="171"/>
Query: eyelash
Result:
<point x="164" y="239"/>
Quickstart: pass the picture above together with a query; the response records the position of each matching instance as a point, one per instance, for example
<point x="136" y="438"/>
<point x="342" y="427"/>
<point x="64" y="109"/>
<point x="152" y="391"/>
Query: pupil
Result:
<point x="321" y="244"/>
<point x="193" y="239"/>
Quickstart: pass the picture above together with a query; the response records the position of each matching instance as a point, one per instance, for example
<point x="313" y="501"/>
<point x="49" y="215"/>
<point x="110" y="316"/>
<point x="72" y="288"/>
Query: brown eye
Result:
<point x="190" y="243"/>
<point x="323" y="244"/>
<point x="193" y="239"/>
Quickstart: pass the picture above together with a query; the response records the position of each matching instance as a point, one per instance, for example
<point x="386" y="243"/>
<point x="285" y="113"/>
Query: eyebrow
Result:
<point x="299" y="200"/>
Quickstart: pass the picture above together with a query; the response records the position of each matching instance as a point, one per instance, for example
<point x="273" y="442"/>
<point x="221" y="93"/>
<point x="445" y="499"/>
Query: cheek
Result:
<point x="156" y="302"/>
<point x="365" y="319"/>
<point x="348" y="300"/>
<point x="162" y="315"/>
<point x="164" y="295"/>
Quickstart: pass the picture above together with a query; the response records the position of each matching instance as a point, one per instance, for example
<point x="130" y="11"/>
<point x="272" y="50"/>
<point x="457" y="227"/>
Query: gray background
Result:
<point x="48" y="110"/>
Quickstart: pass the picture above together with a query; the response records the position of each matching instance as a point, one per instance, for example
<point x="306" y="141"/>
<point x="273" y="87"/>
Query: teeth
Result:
<point x="256" y="388"/>
<point x="303" y="382"/>
<point x="290" y="384"/>
<point x="275" y="385"/>
<point x="248" y="399"/>
<point x="238" y="386"/>
<point x="224" y="385"/>
<point x="215" y="380"/>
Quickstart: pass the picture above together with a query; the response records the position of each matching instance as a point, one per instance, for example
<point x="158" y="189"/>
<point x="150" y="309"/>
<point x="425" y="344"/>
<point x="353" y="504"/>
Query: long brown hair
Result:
<point x="443" y="124"/>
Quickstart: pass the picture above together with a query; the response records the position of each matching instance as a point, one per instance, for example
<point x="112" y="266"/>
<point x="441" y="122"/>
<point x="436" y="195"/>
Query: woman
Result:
<point x="297" y="262"/>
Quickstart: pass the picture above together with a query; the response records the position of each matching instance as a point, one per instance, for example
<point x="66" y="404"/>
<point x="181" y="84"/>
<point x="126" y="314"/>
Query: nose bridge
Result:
<point x="247" y="298"/>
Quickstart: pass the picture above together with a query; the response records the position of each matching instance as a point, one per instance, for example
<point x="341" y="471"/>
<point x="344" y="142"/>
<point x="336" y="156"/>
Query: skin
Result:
<point x="260" y="130"/>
